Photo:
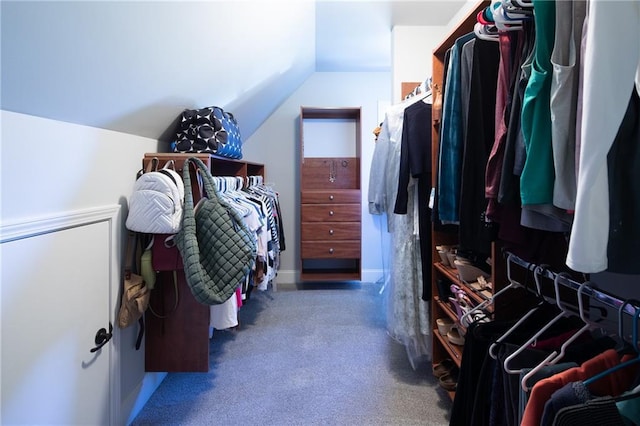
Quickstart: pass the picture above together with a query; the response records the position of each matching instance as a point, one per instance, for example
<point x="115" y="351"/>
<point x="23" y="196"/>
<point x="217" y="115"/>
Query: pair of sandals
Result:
<point x="462" y="305"/>
<point x="447" y="373"/>
<point x="460" y="301"/>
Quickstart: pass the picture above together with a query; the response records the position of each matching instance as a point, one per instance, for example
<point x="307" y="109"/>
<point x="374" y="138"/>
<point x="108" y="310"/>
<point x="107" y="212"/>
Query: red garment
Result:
<point x="239" y="297"/>
<point x="556" y="342"/>
<point x="612" y="384"/>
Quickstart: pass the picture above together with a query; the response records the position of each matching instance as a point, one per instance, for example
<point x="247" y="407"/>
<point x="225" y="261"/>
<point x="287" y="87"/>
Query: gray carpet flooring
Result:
<point x="316" y="355"/>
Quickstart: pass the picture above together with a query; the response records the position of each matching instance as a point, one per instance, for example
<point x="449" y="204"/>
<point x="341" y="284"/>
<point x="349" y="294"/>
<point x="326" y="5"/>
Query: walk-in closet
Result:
<point x="322" y="212"/>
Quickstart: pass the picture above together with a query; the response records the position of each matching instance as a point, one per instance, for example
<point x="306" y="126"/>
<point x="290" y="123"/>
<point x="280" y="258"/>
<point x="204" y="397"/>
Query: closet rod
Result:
<point x="598" y="295"/>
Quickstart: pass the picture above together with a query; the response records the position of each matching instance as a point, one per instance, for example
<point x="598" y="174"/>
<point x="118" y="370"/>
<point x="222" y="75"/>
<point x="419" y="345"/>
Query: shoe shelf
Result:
<point x="446" y="307"/>
<point x="454" y="351"/>
<point x="451" y="275"/>
<point x="442" y="348"/>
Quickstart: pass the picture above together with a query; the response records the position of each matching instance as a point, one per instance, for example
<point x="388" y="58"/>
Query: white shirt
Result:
<point x="611" y="64"/>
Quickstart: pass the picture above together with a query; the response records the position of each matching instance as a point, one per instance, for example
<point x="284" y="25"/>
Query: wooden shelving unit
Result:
<point x="179" y="342"/>
<point x="330" y="202"/>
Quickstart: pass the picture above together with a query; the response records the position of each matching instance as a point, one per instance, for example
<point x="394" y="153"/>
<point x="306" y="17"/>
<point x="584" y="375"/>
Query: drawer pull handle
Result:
<point x="331" y="213"/>
<point x="331" y="250"/>
<point x="330" y="231"/>
<point x="331" y="197"/>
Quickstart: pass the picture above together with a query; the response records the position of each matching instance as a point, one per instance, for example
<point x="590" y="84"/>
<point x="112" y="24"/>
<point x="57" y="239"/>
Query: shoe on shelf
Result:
<point x="444" y="325"/>
<point x="477" y="316"/>
<point x="443" y="252"/>
<point x="446" y="366"/>
<point x="451" y="256"/>
<point x="460" y="305"/>
<point x="469" y="273"/>
<point x="444" y="289"/>
<point x="448" y="382"/>
<point x="443" y="257"/>
<point x="455" y="337"/>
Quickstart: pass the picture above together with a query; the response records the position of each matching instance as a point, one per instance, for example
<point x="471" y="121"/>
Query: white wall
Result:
<point x="133" y="66"/>
<point x="276" y="144"/>
<point x="51" y="167"/>
<point x="412" y="49"/>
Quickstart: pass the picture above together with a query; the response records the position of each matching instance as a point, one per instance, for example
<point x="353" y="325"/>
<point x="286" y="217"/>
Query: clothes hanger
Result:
<point x="502" y="22"/>
<point x="523" y="3"/>
<point x="486" y="32"/>
<point x="537" y="270"/>
<point x="554" y="357"/>
<point x="636" y="317"/>
<point x="564" y="312"/>
<point x="515" y="13"/>
<point x="512" y="284"/>
<point x="485" y="17"/>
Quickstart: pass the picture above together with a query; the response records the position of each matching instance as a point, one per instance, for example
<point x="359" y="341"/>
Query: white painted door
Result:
<point x="56" y="294"/>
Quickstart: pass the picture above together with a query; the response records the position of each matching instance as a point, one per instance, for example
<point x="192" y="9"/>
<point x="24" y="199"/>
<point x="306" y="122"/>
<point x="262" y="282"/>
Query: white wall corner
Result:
<point x="136" y="400"/>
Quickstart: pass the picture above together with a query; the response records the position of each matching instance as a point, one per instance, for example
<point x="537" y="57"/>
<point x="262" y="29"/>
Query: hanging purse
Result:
<point x="135" y="292"/>
<point x="217" y="248"/>
<point x="155" y="205"/>
<point x="166" y="256"/>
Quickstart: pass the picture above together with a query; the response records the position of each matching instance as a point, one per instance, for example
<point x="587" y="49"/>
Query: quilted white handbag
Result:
<point x="156" y="203"/>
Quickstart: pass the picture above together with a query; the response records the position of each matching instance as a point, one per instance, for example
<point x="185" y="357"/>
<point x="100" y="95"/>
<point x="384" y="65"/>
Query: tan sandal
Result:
<point x="449" y="382"/>
<point x="444" y="367"/>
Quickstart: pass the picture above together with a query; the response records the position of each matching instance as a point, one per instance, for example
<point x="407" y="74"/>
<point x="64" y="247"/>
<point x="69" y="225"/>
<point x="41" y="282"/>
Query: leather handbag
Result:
<point x="217" y="248"/>
<point x="166" y="256"/>
<point x="208" y="130"/>
<point x="135" y="291"/>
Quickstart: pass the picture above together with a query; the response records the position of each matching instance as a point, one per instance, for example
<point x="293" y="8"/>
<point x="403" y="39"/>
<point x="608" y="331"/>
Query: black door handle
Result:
<point x="102" y="337"/>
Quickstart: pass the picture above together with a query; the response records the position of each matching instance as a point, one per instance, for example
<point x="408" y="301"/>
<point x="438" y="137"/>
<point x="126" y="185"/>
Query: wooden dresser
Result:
<point x="330" y="196"/>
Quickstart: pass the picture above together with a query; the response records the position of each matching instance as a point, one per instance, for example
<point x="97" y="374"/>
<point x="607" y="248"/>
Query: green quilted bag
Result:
<point x="217" y="248"/>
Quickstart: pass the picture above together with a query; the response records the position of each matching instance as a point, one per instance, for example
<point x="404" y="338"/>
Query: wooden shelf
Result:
<point x="446" y="308"/>
<point x="452" y="275"/>
<point x="454" y="351"/>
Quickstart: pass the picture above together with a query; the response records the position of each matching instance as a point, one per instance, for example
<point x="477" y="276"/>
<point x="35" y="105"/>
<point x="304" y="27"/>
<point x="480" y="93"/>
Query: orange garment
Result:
<point x="377" y="131"/>
<point x="612" y="384"/>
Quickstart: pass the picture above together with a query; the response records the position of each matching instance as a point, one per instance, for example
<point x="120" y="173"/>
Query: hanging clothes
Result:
<point x="415" y="163"/>
<point x="609" y="75"/>
<point x="451" y="143"/>
<point x="475" y="233"/>
<point x="565" y="60"/>
<point x="407" y="314"/>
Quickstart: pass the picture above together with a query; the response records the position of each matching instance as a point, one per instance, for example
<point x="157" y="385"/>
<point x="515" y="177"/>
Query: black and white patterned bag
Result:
<point x="209" y="130"/>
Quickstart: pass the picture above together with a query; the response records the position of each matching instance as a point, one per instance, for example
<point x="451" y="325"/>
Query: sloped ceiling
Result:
<point x="356" y="35"/>
<point x="133" y="66"/>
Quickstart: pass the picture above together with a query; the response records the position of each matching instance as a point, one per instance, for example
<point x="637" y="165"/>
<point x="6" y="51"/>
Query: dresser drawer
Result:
<point x="344" y="196"/>
<point x="325" y="173"/>
<point x="329" y="212"/>
<point x="331" y="250"/>
<point x="332" y="231"/>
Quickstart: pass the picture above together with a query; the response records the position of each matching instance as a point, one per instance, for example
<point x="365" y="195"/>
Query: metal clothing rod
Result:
<point x="598" y="295"/>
